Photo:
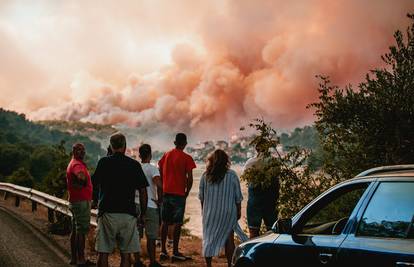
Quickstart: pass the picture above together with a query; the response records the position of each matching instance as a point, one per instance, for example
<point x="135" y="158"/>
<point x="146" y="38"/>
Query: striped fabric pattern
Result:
<point x="219" y="211"/>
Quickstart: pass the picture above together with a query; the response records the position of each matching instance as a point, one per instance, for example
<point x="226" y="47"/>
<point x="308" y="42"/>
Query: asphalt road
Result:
<point x="21" y="245"/>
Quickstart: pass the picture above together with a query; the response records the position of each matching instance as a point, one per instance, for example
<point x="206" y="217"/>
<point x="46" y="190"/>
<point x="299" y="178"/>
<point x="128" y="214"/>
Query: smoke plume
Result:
<point x="228" y="61"/>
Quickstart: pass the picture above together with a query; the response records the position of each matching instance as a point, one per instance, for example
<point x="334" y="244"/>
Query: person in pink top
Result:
<point x="79" y="187"/>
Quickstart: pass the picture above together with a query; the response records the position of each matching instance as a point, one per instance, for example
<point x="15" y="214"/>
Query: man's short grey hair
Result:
<point x="117" y="141"/>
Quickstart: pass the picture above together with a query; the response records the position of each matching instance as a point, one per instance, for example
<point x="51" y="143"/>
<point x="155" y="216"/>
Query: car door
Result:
<point x="385" y="233"/>
<point x="318" y="231"/>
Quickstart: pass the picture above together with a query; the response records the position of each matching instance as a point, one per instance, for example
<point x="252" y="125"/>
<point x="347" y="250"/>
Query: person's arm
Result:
<point x="161" y="181"/>
<point x="190" y="165"/>
<point x="79" y="178"/>
<point x="95" y="192"/>
<point x="143" y="200"/>
<point x="141" y="186"/>
<point x="160" y="174"/>
<point x="239" y="195"/>
<point x="201" y="191"/>
<point x="96" y="182"/>
<point x="158" y="182"/>
<point x="189" y="182"/>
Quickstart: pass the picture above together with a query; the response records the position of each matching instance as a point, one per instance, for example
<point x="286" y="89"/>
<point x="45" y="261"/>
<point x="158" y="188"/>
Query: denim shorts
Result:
<point x="173" y="208"/>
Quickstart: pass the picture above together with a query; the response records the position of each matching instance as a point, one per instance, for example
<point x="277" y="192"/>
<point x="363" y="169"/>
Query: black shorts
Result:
<point x="172" y="209"/>
<point x="258" y="212"/>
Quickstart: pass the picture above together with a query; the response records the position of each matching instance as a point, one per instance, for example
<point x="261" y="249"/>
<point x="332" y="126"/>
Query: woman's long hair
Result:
<point x="218" y="164"/>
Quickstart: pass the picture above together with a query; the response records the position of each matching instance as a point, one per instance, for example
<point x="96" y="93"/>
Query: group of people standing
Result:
<point x="130" y="195"/>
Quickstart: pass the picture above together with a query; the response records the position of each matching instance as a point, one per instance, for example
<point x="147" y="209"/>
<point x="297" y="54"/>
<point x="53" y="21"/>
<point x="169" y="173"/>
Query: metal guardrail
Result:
<point x="51" y="202"/>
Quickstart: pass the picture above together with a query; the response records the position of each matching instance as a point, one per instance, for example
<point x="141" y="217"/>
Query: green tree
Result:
<point x="306" y="138"/>
<point x="298" y="185"/>
<point x="373" y="125"/>
<point x="21" y="177"/>
<point x="54" y="182"/>
<point x="42" y="161"/>
<point x="12" y="157"/>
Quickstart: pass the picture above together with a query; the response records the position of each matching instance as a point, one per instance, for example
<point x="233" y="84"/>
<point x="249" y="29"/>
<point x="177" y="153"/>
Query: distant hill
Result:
<point x="15" y="128"/>
<point x="96" y="132"/>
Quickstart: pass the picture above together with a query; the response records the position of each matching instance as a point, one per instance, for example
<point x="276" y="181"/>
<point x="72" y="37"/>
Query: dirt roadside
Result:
<point x="189" y="245"/>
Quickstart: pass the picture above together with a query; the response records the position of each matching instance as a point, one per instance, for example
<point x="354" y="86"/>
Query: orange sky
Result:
<point x="185" y="64"/>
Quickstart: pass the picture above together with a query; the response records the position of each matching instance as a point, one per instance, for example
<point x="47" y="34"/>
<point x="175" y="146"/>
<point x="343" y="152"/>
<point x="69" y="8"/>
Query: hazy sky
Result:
<point x="206" y="67"/>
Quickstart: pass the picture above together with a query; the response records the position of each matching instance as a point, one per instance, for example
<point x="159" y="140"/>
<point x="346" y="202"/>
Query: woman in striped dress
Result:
<point x="220" y="197"/>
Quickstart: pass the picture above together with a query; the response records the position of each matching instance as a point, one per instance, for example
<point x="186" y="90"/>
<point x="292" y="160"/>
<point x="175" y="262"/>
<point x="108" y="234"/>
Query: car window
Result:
<point x="390" y="212"/>
<point x="331" y="214"/>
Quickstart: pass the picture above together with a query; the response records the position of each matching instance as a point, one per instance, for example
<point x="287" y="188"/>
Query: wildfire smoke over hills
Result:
<point x="201" y="67"/>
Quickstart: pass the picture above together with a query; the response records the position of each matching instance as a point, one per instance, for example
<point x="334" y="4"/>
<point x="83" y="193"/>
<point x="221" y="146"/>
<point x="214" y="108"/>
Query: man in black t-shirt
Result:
<point x="117" y="177"/>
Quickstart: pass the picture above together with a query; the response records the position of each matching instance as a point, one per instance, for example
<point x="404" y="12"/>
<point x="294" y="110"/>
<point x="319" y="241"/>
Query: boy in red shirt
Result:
<point x="79" y="186"/>
<point x="176" y="169"/>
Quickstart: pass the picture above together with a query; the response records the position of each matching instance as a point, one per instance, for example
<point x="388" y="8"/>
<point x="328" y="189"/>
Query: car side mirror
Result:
<point x="282" y="226"/>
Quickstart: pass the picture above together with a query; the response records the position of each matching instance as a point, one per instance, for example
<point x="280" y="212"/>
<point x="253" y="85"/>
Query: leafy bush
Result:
<point x="21" y="177"/>
<point x="373" y="125"/>
<point x="298" y="185"/>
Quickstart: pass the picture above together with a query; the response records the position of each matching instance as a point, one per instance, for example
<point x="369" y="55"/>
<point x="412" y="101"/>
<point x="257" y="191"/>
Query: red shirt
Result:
<point x="75" y="193"/>
<point x="174" y="165"/>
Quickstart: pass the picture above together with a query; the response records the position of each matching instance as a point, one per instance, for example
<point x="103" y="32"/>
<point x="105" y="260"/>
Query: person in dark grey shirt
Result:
<point x="117" y="177"/>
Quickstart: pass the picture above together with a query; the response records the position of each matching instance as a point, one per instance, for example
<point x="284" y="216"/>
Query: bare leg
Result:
<point x="208" y="261"/>
<point x="80" y="241"/>
<point x="229" y="248"/>
<point x="254" y="232"/>
<point x="164" y="233"/>
<point x="74" y="255"/>
<point x="151" y="249"/>
<point x="102" y="260"/>
<point x="176" y="240"/>
<point x="171" y="232"/>
<point x="126" y="260"/>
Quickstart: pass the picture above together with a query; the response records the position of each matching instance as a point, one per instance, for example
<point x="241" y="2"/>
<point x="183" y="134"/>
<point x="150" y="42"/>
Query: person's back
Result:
<point x="118" y="182"/>
<point x="220" y="197"/>
<point x="263" y="196"/>
<point x="154" y="191"/>
<point x="261" y="204"/>
<point x="117" y="177"/>
<point x="176" y="169"/>
<point x="174" y="165"/>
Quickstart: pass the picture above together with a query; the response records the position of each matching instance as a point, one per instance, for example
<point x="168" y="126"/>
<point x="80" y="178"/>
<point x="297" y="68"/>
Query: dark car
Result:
<point x="365" y="221"/>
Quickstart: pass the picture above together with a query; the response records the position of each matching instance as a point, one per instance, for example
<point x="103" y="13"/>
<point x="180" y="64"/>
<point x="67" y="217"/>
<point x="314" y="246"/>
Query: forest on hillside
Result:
<point x="36" y="156"/>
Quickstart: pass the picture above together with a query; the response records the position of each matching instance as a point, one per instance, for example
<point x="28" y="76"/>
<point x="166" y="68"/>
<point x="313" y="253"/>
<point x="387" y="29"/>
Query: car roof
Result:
<point x="388" y="172"/>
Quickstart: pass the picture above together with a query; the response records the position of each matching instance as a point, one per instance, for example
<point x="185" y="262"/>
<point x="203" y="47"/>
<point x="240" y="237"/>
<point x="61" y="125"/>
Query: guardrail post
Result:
<point x="17" y="201"/>
<point x="34" y="206"/>
<point x="50" y="215"/>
